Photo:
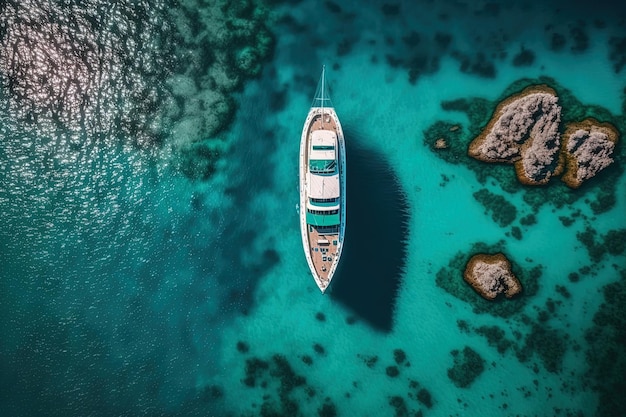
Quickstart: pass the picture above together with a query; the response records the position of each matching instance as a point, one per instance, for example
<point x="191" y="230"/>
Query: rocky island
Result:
<point x="524" y="130"/>
<point x="491" y="275"/>
<point x="587" y="148"/>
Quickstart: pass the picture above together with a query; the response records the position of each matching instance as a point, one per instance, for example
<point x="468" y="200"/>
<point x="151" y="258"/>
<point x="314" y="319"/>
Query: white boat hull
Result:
<point x="322" y="266"/>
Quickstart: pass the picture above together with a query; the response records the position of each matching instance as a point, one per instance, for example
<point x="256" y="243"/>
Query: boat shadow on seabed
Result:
<point x="377" y="218"/>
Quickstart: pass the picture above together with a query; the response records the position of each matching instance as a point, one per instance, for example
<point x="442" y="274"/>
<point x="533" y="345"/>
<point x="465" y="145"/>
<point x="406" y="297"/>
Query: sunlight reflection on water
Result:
<point x="80" y="83"/>
<point x="92" y="70"/>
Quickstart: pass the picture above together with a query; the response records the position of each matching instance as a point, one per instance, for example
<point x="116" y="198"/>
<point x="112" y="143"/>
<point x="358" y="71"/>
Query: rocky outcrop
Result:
<point x="587" y="148"/>
<point x="491" y="275"/>
<point x="524" y="130"/>
<point x="441" y="144"/>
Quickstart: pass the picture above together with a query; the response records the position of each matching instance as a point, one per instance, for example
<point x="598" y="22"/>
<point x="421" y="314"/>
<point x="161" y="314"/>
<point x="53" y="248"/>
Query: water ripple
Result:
<point x="80" y="87"/>
<point x="91" y="70"/>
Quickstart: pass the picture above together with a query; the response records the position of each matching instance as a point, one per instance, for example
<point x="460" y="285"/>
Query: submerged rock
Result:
<point x="392" y="371"/>
<point x="524" y="130"/>
<point x="491" y="275"/>
<point x="587" y="148"/>
<point x="468" y="365"/>
<point x="441" y="144"/>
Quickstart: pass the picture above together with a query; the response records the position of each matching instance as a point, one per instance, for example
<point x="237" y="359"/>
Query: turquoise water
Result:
<point x="151" y="261"/>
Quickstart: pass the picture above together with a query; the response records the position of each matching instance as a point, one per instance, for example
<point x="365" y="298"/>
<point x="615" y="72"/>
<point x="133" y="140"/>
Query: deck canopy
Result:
<point x="322" y="186"/>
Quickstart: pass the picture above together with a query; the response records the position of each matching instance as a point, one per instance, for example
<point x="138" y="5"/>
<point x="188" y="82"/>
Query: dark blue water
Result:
<point x="150" y="261"/>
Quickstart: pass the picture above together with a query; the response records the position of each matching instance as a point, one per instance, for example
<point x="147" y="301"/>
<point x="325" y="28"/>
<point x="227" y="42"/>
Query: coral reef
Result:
<point x="370" y="361"/>
<point x="440" y="136"/>
<point x="468" y="365"/>
<point x="516" y="232"/>
<point x="212" y="393"/>
<point x="392" y="371"/>
<point x="282" y="386"/>
<point x="617" y="52"/>
<point x="491" y="275"/>
<point x="399" y="405"/>
<point x="524" y="58"/>
<point x="478" y="64"/>
<point x="524" y="130"/>
<point x="399" y="356"/>
<point x="319" y="349"/>
<point x="420" y="394"/>
<point x="588" y="238"/>
<point x="557" y="42"/>
<point x="539" y="340"/>
<point x="242" y="347"/>
<point x="425" y="398"/>
<point x="587" y="147"/>
<point x="199" y="160"/>
<point x="220" y="46"/>
<point x="276" y="375"/>
<point x="580" y="38"/>
<point x="613" y="242"/>
<point x="328" y="409"/>
<point x="502" y="212"/>
<point x="549" y="344"/>
<point x="606" y="355"/>
<point x="528" y="220"/>
<point x="413" y="51"/>
<point x="495" y="337"/>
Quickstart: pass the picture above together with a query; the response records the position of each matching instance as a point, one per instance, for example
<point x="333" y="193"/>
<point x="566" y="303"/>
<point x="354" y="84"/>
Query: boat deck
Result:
<point x="323" y="254"/>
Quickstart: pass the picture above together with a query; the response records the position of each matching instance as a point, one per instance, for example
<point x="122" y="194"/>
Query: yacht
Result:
<point x="322" y="187"/>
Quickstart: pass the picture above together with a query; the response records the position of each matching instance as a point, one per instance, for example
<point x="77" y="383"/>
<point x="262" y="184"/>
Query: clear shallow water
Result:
<point x="129" y="289"/>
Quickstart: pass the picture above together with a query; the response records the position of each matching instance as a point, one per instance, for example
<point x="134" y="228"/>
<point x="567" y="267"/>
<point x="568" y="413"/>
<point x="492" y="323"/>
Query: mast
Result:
<point x="323" y="77"/>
